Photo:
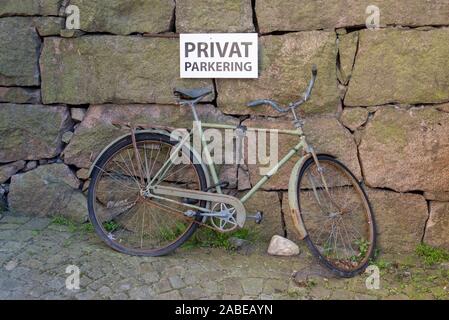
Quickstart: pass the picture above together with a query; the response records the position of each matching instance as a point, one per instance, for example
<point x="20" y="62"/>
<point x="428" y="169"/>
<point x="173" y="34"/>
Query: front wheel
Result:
<point x="337" y="216"/>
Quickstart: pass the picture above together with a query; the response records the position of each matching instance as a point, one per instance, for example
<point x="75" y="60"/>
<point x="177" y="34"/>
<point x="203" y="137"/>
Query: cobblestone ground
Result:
<point x="34" y="255"/>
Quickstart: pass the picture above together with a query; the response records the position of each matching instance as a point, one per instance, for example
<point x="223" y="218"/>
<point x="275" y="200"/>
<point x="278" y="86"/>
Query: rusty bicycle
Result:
<point x="143" y="201"/>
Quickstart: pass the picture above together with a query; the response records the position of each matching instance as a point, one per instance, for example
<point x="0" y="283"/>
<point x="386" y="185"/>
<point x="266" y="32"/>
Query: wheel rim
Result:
<point x="125" y="217"/>
<point x="337" y="219"/>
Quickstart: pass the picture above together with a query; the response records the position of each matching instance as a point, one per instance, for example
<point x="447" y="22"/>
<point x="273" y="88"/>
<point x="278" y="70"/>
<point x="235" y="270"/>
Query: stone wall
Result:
<point x="380" y="102"/>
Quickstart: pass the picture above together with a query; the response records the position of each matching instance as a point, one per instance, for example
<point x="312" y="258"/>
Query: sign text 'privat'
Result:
<point x="219" y="55"/>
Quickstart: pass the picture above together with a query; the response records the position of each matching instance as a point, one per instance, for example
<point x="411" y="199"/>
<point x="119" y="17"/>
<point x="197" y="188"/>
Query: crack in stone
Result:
<point x="172" y="27"/>
<point x="283" y="222"/>
<point x="255" y="22"/>
<point x="427" y="220"/>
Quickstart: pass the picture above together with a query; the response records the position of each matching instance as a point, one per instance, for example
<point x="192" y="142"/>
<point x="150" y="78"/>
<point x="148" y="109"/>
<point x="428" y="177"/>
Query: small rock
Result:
<point x="85" y="186"/>
<point x="78" y="114"/>
<point x="30" y="166"/>
<point x="241" y="245"/>
<point x="445" y="265"/>
<point x="11" y="265"/>
<point x="236" y="242"/>
<point x="83" y="174"/>
<point x="67" y="136"/>
<point x="10" y="169"/>
<point x="280" y="246"/>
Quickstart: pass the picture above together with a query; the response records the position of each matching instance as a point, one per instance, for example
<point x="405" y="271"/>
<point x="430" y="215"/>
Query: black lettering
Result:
<point x="189" y="47"/>
<point x="248" y="66"/>
<point x="188" y="65"/>
<point x="235" y="49"/>
<point x="238" y="67"/>
<point x="222" y="51"/>
<point x="246" y="45"/>
<point x="202" y="47"/>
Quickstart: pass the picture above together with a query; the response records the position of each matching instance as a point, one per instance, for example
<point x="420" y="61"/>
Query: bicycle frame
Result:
<point x="212" y="169"/>
<point x="301" y="145"/>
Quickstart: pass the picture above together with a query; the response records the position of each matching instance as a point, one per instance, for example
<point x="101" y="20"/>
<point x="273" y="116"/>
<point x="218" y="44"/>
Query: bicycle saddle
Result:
<point x="191" y="94"/>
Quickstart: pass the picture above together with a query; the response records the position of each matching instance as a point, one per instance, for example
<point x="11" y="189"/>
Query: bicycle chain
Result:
<point x="150" y="202"/>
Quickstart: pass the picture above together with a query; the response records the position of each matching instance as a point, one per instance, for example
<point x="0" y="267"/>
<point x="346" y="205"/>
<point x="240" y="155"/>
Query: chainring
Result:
<point x="224" y="224"/>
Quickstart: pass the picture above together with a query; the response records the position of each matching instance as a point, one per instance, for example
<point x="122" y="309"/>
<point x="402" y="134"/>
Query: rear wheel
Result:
<point x="122" y="217"/>
<point x="338" y="218"/>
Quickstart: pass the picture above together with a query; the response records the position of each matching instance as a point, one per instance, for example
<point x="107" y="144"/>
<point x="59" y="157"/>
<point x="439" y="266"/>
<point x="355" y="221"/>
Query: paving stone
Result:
<point x="320" y="292"/>
<point x="105" y="291"/>
<point x="11" y="265"/>
<point x="252" y="286"/>
<point x="10" y="284"/>
<point x="172" y="295"/>
<point x="162" y="286"/>
<point x="36" y="224"/>
<point x="176" y="282"/>
<point x="275" y="286"/>
<point x="14" y="219"/>
<point x="119" y="296"/>
<point x="9" y="226"/>
<point x="192" y="293"/>
<point x="85" y="295"/>
<point x="150" y="277"/>
<point x="232" y="287"/>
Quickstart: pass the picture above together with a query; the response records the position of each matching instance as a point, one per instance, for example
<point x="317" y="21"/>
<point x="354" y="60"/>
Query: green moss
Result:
<point x="432" y="255"/>
<point x="389" y="131"/>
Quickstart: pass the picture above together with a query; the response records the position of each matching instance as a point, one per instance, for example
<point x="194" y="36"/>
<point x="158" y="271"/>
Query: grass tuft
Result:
<point x="432" y="255"/>
<point x="206" y="237"/>
<point x="72" y="226"/>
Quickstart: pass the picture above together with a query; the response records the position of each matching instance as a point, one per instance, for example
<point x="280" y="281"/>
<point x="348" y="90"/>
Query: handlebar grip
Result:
<point x="256" y="103"/>
<point x="314" y="70"/>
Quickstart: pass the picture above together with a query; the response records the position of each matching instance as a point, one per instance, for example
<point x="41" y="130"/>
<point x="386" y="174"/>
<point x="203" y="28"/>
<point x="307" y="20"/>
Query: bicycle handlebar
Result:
<point x="293" y="105"/>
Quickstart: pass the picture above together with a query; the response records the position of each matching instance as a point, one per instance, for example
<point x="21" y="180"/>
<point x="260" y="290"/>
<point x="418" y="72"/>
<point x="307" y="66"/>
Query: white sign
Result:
<point x="219" y="55"/>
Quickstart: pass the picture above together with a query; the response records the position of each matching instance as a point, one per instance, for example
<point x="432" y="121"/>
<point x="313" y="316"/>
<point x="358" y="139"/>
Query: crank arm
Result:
<point x="205" y="196"/>
<point x="214" y="215"/>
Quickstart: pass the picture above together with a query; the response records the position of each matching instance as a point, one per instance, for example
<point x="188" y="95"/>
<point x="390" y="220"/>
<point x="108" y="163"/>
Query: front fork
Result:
<point x="309" y="149"/>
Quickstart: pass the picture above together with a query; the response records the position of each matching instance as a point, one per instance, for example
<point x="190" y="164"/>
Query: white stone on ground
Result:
<point x="280" y="246"/>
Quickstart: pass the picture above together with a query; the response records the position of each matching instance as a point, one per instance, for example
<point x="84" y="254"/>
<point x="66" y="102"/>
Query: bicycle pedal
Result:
<point x="257" y="217"/>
